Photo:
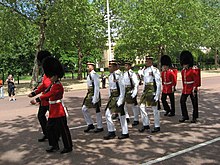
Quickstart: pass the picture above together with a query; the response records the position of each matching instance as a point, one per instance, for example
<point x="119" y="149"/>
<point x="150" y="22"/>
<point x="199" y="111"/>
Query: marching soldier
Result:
<point x="92" y="100"/>
<point x="44" y="104"/>
<point x="190" y="80"/>
<point x="131" y="90"/>
<point x="169" y="83"/>
<point x="57" y="121"/>
<point x="116" y="103"/>
<point x="150" y="96"/>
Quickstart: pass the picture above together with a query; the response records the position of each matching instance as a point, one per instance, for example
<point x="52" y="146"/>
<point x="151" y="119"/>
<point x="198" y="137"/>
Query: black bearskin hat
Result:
<point x="165" y="60"/>
<point x="52" y="67"/>
<point x="186" y="58"/>
<point x="41" y="56"/>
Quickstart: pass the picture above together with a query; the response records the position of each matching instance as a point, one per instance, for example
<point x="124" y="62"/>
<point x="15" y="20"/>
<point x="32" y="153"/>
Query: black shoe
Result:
<point x="128" y="120"/>
<point x="156" y="129"/>
<point x="114" y="116"/>
<point x="144" y="128"/>
<point x="66" y="150"/>
<point x="171" y="114"/>
<point x="193" y="121"/>
<point x="91" y="126"/>
<point x="53" y="149"/>
<point x="97" y="130"/>
<point x="124" y="136"/>
<point x="165" y="114"/>
<point x="42" y="139"/>
<point x="183" y="120"/>
<point x="135" y="123"/>
<point x="110" y="135"/>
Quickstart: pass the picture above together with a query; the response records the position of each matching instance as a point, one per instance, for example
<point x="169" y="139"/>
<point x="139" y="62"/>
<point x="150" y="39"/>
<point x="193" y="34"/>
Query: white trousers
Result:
<point x="145" y="118"/>
<point x="88" y="118"/>
<point x="110" y="123"/>
<point x="135" y="109"/>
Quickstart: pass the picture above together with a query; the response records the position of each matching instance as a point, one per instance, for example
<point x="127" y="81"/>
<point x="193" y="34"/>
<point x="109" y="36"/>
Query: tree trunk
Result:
<point x="80" y="56"/>
<point x="216" y="59"/>
<point x="39" y="46"/>
<point x="161" y="52"/>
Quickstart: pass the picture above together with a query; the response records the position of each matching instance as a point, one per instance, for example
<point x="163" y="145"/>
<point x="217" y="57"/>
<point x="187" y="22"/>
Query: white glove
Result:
<point x="156" y="98"/>
<point x="119" y="103"/>
<point x="93" y="100"/>
<point x="133" y="95"/>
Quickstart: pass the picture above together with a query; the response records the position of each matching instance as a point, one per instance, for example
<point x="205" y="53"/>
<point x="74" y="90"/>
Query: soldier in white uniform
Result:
<point x="150" y="96"/>
<point x="115" y="103"/>
<point x="131" y="90"/>
<point x="92" y="100"/>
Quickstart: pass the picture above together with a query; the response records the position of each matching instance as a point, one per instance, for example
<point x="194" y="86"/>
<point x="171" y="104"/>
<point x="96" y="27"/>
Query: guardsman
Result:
<point x="44" y="104"/>
<point x="115" y="103"/>
<point x="150" y="96"/>
<point x="92" y="100"/>
<point x="57" y="120"/>
<point x="131" y="90"/>
<point x="169" y="82"/>
<point x="190" y="81"/>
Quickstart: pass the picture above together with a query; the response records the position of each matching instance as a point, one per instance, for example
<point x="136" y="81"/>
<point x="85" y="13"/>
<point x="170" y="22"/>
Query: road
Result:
<point x="177" y="143"/>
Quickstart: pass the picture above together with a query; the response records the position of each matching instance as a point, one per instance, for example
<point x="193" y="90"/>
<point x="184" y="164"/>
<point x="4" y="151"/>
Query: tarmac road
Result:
<point x="177" y="143"/>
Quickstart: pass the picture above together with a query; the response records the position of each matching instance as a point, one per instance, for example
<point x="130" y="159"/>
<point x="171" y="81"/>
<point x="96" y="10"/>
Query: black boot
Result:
<point x="171" y="114"/>
<point x="123" y="136"/>
<point x="135" y="123"/>
<point x="53" y="149"/>
<point x="183" y="120"/>
<point x="144" y="128"/>
<point x="42" y="139"/>
<point x="156" y="129"/>
<point x="110" y="135"/>
<point x="91" y="126"/>
<point x="193" y="120"/>
<point x="97" y="130"/>
<point x="165" y="114"/>
<point x="66" y="150"/>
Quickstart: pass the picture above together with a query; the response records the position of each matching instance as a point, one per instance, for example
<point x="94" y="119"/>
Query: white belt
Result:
<point x="167" y="83"/>
<point x="188" y="82"/>
<point x="55" y="101"/>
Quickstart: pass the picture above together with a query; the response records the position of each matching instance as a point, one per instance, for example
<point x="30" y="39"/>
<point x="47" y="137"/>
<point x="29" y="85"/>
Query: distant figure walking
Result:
<point x="11" y="87"/>
<point x="1" y="90"/>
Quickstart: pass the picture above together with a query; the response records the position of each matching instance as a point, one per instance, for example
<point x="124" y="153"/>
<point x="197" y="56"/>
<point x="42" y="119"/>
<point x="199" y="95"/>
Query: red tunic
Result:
<point x="190" y="80"/>
<point x="168" y="81"/>
<point x="55" y="95"/>
<point x="45" y="84"/>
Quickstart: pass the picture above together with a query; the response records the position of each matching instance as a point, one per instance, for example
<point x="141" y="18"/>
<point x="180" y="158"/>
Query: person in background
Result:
<point x="169" y="82"/>
<point x="11" y="88"/>
<point x="103" y="78"/>
<point x="57" y="120"/>
<point x="92" y="100"/>
<point x="190" y="81"/>
<point x="1" y="89"/>
<point x="140" y="75"/>
<point x="44" y="104"/>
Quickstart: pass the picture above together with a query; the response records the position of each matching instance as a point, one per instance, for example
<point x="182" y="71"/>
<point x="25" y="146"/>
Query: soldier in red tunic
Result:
<point x="169" y="83"/>
<point x="57" y="121"/>
<point x="44" y="105"/>
<point x="190" y="80"/>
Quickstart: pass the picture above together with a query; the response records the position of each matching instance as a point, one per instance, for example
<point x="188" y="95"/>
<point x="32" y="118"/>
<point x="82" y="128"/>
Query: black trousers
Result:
<point x="165" y="103"/>
<point x="57" y="127"/>
<point x="194" y="100"/>
<point x="42" y="118"/>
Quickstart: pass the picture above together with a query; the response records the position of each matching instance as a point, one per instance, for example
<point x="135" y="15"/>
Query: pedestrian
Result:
<point x="131" y="90"/>
<point x="140" y="75"/>
<point x="11" y="87"/>
<point x="169" y="82"/>
<point x="150" y="96"/>
<point x="103" y="78"/>
<point x="57" y="119"/>
<point x="44" y="104"/>
<point x="1" y="89"/>
<point x="190" y="81"/>
<point x="92" y="100"/>
<point x="115" y="102"/>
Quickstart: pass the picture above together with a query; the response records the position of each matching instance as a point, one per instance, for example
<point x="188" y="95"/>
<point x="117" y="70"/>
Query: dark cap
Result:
<point x="165" y="60"/>
<point x="53" y="67"/>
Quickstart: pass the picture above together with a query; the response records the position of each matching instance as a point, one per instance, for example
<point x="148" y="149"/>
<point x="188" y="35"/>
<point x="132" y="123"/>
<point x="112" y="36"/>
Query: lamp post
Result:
<point x="109" y="33"/>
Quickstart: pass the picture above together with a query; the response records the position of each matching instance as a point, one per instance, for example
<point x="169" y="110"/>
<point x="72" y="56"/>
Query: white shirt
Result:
<point x="95" y="79"/>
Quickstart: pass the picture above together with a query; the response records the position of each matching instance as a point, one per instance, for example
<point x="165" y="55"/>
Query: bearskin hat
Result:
<point x="42" y="55"/>
<point x="165" y="60"/>
<point x="52" y="67"/>
<point x="186" y="58"/>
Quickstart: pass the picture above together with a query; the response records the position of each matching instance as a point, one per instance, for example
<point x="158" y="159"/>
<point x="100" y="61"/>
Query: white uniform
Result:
<point x="95" y="99"/>
<point x="120" y="101"/>
<point x="151" y="73"/>
<point x="135" y="82"/>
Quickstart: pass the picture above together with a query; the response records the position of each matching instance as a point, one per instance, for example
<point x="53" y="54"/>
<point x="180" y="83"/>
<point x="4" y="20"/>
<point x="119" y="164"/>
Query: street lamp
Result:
<point x="109" y="34"/>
